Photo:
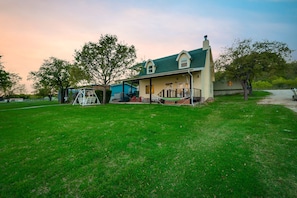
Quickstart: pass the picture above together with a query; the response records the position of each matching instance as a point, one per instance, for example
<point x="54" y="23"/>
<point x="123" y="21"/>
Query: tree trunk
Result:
<point x="250" y="88"/>
<point x="104" y="94"/>
<point x="244" y="85"/>
<point x="62" y="95"/>
<point x="66" y="94"/>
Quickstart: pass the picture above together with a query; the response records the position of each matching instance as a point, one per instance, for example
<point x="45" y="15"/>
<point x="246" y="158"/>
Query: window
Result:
<point x="147" y="89"/>
<point x="183" y="59"/>
<point x="184" y="62"/>
<point x="150" y="69"/>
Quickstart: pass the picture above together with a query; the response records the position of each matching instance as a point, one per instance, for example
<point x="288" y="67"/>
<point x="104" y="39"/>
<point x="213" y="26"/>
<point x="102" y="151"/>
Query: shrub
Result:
<point x="262" y="85"/>
<point x="99" y="94"/>
<point x="293" y="82"/>
<point x="281" y="83"/>
<point x="24" y="96"/>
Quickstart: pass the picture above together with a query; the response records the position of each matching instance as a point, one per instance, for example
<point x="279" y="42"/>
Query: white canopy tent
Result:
<point x="86" y="96"/>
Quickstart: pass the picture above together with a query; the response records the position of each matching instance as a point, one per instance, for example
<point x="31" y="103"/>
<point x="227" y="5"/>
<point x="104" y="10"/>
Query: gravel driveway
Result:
<point x="281" y="97"/>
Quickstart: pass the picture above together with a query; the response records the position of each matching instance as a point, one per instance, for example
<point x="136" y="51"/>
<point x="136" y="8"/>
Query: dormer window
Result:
<point x="184" y="63"/>
<point x="183" y="59"/>
<point x="150" y="67"/>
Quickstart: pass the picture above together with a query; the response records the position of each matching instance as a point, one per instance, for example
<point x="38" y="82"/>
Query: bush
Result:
<point x="99" y="94"/>
<point x="262" y="85"/>
<point x="281" y="83"/>
<point x="293" y="82"/>
<point x="24" y="96"/>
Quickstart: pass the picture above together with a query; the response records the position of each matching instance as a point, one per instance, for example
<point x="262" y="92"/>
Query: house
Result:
<point x="186" y="77"/>
<point x="118" y="89"/>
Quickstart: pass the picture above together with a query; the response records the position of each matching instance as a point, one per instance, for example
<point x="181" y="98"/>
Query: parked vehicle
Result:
<point x="294" y="97"/>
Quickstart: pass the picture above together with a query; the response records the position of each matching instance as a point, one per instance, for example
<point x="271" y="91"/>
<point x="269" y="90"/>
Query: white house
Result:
<point x="186" y="77"/>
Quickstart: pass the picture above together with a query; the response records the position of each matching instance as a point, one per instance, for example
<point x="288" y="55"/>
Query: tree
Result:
<point x="290" y="70"/>
<point x="9" y="82"/>
<point x="5" y="82"/>
<point x="106" y="60"/>
<point x="15" y="87"/>
<point x="246" y="60"/>
<point x="44" y="90"/>
<point x="4" y="79"/>
<point x="53" y="75"/>
<point x="78" y="76"/>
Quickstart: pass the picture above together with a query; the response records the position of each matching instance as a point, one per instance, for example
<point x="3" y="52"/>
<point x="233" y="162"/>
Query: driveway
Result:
<point x="280" y="97"/>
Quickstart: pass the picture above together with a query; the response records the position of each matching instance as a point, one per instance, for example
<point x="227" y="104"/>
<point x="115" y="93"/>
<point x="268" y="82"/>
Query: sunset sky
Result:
<point x="34" y="30"/>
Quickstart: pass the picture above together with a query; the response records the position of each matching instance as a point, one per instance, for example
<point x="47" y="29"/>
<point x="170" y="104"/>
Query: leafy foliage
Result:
<point x="283" y="77"/>
<point x="262" y="85"/>
<point x="53" y="75"/>
<point x="284" y="83"/>
<point x="9" y="82"/>
<point x="99" y="94"/>
<point x="105" y="60"/>
<point x="5" y="82"/>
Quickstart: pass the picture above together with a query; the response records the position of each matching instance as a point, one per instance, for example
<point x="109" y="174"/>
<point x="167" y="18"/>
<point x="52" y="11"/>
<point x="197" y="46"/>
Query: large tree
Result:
<point x="245" y="60"/>
<point x="106" y="60"/>
<point x="52" y="76"/>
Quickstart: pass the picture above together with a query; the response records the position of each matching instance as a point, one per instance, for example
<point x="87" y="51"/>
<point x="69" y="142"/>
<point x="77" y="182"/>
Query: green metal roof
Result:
<point x="169" y="63"/>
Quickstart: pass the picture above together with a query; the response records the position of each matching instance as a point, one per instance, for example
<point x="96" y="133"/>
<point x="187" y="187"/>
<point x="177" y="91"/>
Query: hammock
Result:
<point x="172" y="99"/>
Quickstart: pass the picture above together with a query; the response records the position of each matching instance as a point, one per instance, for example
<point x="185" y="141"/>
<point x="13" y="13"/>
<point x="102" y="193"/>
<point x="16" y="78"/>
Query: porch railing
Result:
<point x="180" y="93"/>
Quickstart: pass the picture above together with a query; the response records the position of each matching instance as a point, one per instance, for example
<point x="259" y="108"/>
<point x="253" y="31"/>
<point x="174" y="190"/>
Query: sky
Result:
<point x="31" y="31"/>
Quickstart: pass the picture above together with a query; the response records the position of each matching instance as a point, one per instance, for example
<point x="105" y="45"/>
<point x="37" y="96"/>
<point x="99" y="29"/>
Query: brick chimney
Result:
<point x="206" y="43"/>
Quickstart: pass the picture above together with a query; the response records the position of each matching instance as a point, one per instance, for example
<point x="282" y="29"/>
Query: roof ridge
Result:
<point x="170" y="56"/>
<point x="170" y="64"/>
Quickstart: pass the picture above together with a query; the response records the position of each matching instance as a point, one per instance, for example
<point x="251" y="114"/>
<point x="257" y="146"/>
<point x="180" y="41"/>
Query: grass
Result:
<point x="27" y="104"/>
<point x="229" y="148"/>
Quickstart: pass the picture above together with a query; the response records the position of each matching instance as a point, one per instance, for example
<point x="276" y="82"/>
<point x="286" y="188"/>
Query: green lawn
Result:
<point x="229" y="148"/>
<point x="26" y="104"/>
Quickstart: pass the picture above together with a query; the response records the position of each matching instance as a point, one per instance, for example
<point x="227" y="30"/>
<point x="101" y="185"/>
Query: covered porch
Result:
<point x="172" y="88"/>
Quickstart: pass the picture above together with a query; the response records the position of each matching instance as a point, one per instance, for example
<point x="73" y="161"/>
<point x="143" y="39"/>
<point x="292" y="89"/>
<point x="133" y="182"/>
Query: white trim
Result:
<point x="179" y="59"/>
<point x="181" y="53"/>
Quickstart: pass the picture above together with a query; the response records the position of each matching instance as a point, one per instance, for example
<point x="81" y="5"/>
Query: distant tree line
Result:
<point x="285" y="78"/>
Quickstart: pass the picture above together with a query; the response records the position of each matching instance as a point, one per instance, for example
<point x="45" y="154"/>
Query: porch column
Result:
<point x="191" y="87"/>
<point x="150" y="90"/>
<point x="123" y="91"/>
<point x="131" y="88"/>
